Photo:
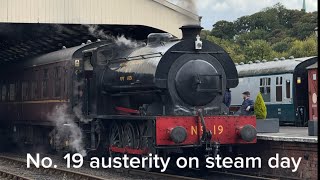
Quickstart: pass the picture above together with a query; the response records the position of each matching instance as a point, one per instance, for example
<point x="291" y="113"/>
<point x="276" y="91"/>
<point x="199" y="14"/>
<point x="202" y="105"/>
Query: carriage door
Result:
<point x="282" y="107"/>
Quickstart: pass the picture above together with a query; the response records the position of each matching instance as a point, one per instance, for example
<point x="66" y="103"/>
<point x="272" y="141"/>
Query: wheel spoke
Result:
<point x="129" y="140"/>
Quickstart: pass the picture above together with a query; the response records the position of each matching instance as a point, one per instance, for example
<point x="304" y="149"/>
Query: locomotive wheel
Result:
<point x="116" y="135"/>
<point x="144" y="141"/>
<point x="115" y="138"/>
<point x="129" y="138"/>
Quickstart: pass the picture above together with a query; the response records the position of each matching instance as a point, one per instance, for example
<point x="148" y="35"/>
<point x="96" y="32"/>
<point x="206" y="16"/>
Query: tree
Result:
<point x="258" y="49"/>
<point x="273" y="32"/>
<point x="204" y="34"/>
<point x="307" y="47"/>
<point x="223" y="30"/>
<point x="260" y="109"/>
<point x="280" y="47"/>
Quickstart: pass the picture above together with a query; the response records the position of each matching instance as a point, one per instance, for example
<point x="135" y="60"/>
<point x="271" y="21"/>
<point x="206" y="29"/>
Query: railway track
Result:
<point x="238" y="176"/>
<point x="50" y="171"/>
<point x="10" y="175"/>
<point x="68" y="174"/>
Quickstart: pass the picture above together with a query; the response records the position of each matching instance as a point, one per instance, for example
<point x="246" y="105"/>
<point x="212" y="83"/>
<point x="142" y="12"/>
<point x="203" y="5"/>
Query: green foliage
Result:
<point x="272" y="32"/>
<point x="280" y="47"/>
<point x="223" y="29"/>
<point x="260" y="49"/>
<point x="260" y="109"/>
<point x="307" y="47"/>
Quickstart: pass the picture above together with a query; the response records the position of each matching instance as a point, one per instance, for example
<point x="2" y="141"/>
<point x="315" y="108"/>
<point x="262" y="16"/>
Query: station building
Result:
<point x="33" y="27"/>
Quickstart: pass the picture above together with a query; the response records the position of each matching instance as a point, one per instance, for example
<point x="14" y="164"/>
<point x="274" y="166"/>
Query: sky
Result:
<point x="215" y="10"/>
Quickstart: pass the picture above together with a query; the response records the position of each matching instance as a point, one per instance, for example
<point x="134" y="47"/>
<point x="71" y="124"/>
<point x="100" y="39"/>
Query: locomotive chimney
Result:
<point x="190" y="31"/>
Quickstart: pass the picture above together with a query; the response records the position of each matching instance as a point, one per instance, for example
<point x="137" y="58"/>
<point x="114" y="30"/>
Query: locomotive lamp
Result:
<point x="77" y="63"/>
<point x="198" y="43"/>
<point x="299" y="80"/>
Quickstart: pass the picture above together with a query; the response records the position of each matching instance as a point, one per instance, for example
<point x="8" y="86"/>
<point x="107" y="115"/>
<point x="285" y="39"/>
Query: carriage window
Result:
<point x="17" y="91"/>
<point x="65" y="83"/>
<point x="57" y="82"/>
<point x="4" y="92"/>
<point x="279" y="89"/>
<point x="25" y="90"/>
<point x="265" y="84"/>
<point x="34" y="90"/>
<point x="288" y="84"/>
<point x="44" y="83"/>
<point x="12" y="92"/>
<point x="44" y="88"/>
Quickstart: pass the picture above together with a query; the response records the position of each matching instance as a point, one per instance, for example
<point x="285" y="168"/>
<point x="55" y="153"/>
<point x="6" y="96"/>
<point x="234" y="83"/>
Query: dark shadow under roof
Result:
<point x="23" y="41"/>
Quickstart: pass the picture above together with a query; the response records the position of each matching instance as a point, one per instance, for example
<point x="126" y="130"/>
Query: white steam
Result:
<point x="97" y="32"/>
<point x="68" y="129"/>
<point x="122" y="40"/>
<point x="189" y="5"/>
<point x="77" y="110"/>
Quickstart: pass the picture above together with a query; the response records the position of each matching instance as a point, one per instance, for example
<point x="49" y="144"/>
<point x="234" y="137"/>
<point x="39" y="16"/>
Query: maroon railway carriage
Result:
<point x="313" y="99"/>
<point x="164" y="97"/>
<point x="313" y="91"/>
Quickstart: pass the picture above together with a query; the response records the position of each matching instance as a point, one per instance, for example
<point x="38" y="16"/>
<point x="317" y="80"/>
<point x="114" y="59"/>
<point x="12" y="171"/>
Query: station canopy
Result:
<point x="33" y="27"/>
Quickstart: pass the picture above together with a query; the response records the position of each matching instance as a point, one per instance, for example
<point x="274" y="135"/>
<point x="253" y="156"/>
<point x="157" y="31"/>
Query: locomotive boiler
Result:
<point x="172" y="77"/>
<point x="161" y="96"/>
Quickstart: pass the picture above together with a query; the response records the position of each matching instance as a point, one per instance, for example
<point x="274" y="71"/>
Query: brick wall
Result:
<point x="308" y="168"/>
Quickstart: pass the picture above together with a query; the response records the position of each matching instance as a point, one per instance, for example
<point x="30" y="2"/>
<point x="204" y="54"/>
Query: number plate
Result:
<point x="215" y="129"/>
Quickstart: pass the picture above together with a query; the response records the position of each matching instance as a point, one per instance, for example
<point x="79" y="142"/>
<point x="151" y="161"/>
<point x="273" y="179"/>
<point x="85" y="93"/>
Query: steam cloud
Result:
<point x="96" y="32"/>
<point x="189" y="5"/>
<point x="67" y="129"/>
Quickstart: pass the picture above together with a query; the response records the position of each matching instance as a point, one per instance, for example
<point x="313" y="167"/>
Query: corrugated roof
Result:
<point x="179" y="9"/>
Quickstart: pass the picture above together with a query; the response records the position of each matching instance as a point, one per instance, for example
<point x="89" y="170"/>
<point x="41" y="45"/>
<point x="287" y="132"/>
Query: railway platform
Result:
<point x="291" y="143"/>
<point x="289" y="134"/>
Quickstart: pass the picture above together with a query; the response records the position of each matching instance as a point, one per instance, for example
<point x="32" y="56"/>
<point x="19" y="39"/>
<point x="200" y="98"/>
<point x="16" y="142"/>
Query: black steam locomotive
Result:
<point x="126" y="97"/>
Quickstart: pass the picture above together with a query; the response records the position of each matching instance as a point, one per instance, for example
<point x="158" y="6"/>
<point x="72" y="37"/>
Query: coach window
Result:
<point x="17" y="91"/>
<point x="65" y="82"/>
<point x="25" y="91"/>
<point x="288" y="86"/>
<point x="265" y="88"/>
<point x="279" y="89"/>
<point x="12" y="92"/>
<point x="45" y="83"/>
<point x="34" y="90"/>
<point x="57" y="82"/>
<point x="4" y="92"/>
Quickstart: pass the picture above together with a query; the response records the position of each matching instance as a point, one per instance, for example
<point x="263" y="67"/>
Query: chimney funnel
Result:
<point x="190" y="31"/>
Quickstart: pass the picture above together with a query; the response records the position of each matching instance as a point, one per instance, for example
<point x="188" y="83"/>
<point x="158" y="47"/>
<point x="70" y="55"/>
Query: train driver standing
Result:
<point x="247" y="107"/>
